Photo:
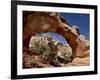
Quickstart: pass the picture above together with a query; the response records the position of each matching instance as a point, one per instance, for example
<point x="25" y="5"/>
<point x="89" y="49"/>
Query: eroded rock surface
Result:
<point x="36" y="22"/>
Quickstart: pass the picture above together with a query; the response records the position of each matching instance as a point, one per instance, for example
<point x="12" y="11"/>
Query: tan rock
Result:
<point x="81" y="61"/>
<point x="83" y="47"/>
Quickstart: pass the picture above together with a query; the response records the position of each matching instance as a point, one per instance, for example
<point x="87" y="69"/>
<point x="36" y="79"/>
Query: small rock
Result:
<point x="81" y="61"/>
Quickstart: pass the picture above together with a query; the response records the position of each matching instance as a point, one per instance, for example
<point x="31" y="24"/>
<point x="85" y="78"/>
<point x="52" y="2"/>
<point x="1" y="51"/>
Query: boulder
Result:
<point x="81" y="61"/>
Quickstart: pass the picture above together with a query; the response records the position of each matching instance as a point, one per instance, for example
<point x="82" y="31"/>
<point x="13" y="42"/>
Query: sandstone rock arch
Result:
<point x="35" y="22"/>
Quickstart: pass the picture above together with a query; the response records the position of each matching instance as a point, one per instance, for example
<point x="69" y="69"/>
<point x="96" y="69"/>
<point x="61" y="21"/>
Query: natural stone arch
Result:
<point x="35" y="22"/>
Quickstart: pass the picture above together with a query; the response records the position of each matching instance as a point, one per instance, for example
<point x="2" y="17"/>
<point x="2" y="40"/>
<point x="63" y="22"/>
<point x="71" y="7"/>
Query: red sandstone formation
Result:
<point x="35" y="22"/>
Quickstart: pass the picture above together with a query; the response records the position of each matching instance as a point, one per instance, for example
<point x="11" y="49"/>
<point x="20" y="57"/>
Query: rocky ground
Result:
<point x="41" y="53"/>
<point x="35" y="61"/>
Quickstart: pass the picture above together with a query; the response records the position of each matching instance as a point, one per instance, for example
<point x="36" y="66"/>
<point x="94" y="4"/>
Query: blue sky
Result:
<point x="80" y="20"/>
<point x="57" y="37"/>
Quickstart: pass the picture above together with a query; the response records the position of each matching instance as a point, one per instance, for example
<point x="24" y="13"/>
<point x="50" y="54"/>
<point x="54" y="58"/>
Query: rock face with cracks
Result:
<point x="35" y="22"/>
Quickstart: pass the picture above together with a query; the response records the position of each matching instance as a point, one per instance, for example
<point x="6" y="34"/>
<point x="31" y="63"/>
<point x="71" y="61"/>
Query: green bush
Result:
<point x="33" y="63"/>
<point x="49" y="51"/>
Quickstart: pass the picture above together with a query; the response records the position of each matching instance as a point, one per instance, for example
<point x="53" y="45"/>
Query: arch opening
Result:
<point x="55" y="36"/>
<point x="52" y="48"/>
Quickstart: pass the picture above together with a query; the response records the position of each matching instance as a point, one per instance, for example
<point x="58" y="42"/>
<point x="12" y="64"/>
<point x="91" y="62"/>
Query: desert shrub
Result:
<point x="68" y="57"/>
<point x="33" y="63"/>
<point x="48" y="50"/>
<point x="66" y="54"/>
